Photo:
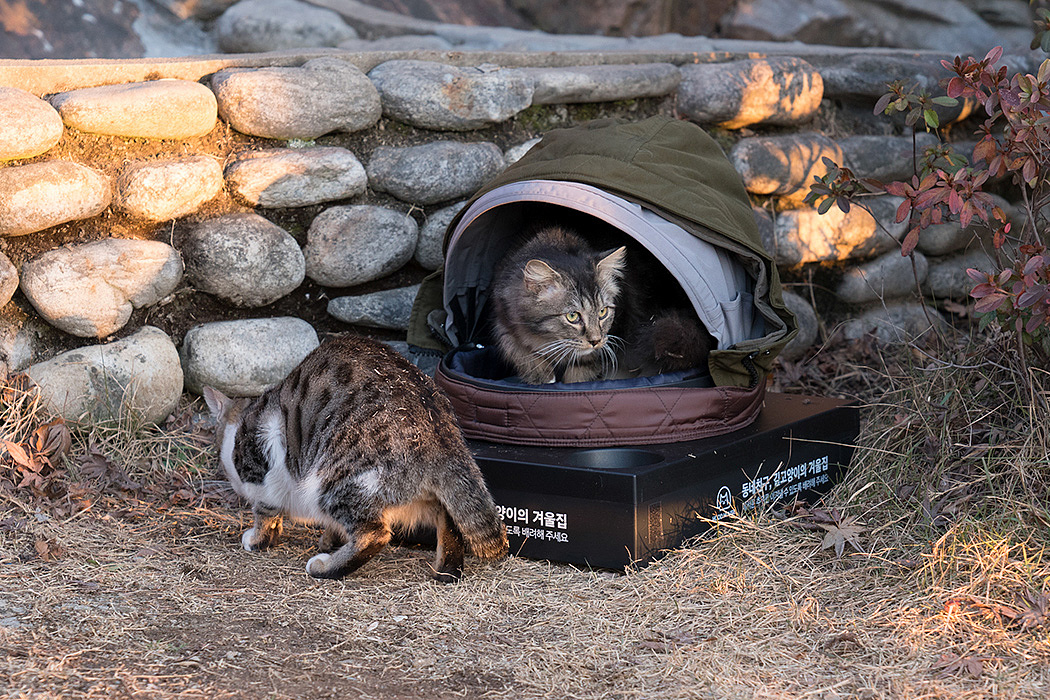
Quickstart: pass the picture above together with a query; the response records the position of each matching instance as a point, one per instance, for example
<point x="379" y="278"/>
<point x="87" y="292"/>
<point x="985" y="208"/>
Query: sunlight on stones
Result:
<point x="29" y="125"/>
<point x="90" y="290"/>
<point x="161" y="190"/>
<point x="783" y="165"/>
<point x="41" y="195"/>
<point x="140" y="110"/>
<point x="286" y="177"/>
<point x="804" y="236"/>
<point x="778" y="91"/>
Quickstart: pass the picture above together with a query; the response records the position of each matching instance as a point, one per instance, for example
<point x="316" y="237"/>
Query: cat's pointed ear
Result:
<point x="612" y="264"/>
<point x="539" y="275"/>
<point x="216" y="400"/>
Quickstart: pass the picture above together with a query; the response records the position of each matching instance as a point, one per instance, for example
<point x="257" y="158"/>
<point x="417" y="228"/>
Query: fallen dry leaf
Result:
<point x="846" y="531"/>
<point x="952" y="664"/>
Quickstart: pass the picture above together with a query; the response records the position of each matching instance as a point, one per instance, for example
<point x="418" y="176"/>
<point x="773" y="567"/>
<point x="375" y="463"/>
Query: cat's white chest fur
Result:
<point x="279" y="489"/>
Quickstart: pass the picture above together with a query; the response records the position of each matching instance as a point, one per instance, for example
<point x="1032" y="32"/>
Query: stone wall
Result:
<point x="167" y="224"/>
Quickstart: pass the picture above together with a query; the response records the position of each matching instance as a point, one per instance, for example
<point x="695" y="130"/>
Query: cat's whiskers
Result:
<point x="552" y="354"/>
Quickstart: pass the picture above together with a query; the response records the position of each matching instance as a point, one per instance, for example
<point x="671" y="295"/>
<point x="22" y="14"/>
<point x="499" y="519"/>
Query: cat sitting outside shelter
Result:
<point x="358" y="440"/>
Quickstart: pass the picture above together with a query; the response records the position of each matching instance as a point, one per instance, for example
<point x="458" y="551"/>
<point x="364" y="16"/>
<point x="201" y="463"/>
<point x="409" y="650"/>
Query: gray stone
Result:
<point x="296" y="177"/>
<point x="864" y="75"/>
<point x="605" y="83"/>
<point x="895" y="323"/>
<point x="808" y="326"/>
<point x="783" y="165"/>
<point x="225" y="355"/>
<point x="404" y="42"/>
<point x="350" y="245"/>
<point x="938" y="25"/>
<point x="888" y="276"/>
<point x="140" y="110"/>
<point x="89" y="290"/>
<point x="137" y="376"/>
<point x="433" y="172"/>
<point x="324" y="95"/>
<point x="29" y="126"/>
<point x="947" y="278"/>
<point x="808" y="21"/>
<point x="41" y="195"/>
<point x="438" y="96"/>
<point x="777" y="91"/>
<point x="243" y="258"/>
<point x="253" y="26"/>
<point x="20" y="343"/>
<point x="429" y="253"/>
<point x="388" y="309"/>
<point x="885" y="158"/>
<point x="514" y="153"/>
<point x="8" y="280"/>
<point x="804" y="236"/>
<point x="161" y="190"/>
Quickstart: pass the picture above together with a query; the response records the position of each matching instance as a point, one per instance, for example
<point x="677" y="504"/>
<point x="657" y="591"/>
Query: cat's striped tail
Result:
<point x="469" y="503"/>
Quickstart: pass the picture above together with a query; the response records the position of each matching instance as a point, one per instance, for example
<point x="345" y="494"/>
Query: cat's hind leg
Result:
<point x="331" y="539"/>
<point x="448" y="559"/>
<point x="364" y="540"/>
<point x="266" y="529"/>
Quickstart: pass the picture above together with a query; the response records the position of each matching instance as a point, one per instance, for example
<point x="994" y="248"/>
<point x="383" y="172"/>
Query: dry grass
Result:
<point x="145" y="596"/>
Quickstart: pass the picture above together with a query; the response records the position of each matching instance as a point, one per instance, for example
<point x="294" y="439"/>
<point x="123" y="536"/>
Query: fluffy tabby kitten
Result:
<point x="358" y="440"/>
<point x="562" y="311"/>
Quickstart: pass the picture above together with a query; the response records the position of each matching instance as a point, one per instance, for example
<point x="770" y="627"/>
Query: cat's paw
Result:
<point x="317" y="566"/>
<point x="250" y="540"/>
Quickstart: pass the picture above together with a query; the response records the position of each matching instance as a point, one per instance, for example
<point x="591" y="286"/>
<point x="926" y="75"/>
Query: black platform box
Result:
<point x="614" y="507"/>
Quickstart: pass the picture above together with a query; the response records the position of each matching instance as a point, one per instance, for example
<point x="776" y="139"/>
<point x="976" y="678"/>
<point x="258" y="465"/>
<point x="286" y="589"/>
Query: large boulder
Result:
<point x="243" y="258"/>
<point x="138" y="377"/>
<point x="29" y="126"/>
<point x="323" y="95"/>
<point x="40" y="195"/>
<point x="89" y="290"/>
<point x="225" y="354"/>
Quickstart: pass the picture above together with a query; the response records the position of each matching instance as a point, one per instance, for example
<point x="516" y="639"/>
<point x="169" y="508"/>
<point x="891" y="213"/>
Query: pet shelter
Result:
<point x="551" y="452"/>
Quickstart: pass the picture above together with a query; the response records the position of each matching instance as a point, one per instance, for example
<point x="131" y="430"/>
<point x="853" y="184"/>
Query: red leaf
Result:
<point x="1035" y="263"/>
<point x="898" y="189"/>
<point x="994" y="55"/>
<point x="989" y="303"/>
<point x="976" y="275"/>
<point x="883" y="102"/>
<point x="903" y="211"/>
<point x="910" y="241"/>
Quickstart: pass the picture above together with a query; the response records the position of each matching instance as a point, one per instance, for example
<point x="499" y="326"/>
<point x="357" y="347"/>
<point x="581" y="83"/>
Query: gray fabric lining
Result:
<point x="716" y="284"/>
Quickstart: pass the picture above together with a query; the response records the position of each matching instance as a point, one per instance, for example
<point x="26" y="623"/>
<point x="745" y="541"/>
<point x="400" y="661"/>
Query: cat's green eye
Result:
<point x="573" y="317"/>
<point x="603" y="312"/>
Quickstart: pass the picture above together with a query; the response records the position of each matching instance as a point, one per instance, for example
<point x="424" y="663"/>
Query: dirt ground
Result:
<point x="148" y="604"/>
<point x="147" y="592"/>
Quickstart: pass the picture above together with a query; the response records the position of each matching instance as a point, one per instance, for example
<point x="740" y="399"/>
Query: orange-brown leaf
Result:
<point x="18" y="453"/>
